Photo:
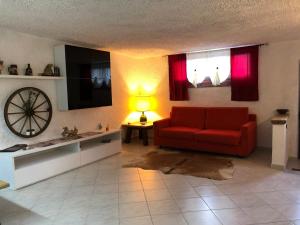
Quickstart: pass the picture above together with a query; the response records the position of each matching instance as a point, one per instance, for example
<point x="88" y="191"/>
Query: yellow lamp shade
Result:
<point x="143" y="103"/>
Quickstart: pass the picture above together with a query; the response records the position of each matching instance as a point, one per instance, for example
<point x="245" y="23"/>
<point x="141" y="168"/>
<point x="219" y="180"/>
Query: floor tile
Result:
<point x="264" y="214"/>
<point x="130" y="186"/>
<point x="219" y="202"/>
<point x="208" y="191"/>
<point x="293" y="195"/>
<point x="201" y="218"/>
<point x="95" y="219"/>
<point x="290" y="211"/>
<point x="179" y="183"/>
<point x="247" y="200"/>
<point x="277" y="223"/>
<point x="153" y="185"/>
<point x="191" y="204"/>
<point x="163" y="207"/>
<point x="198" y="181"/>
<point x="183" y="193"/>
<point x="70" y="218"/>
<point x="133" y="209"/>
<point x="106" y="188"/>
<point x="156" y="195"/>
<point x="274" y="197"/>
<point x="129" y="177"/>
<point x="233" y="217"/>
<point x="133" y="196"/>
<point x="104" y="212"/>
<point x="102" y="200"/>
<point x="145" y="220"/>
<point x="149" y="175"/>
<point x="228" y="189"/>
<point x="169" y="219"/>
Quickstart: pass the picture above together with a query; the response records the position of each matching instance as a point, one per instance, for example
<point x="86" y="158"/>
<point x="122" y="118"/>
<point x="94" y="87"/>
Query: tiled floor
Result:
<point x="104" y="193"/>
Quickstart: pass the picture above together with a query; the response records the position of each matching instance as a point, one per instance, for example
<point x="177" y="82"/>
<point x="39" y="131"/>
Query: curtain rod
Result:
<point x="216" y="49"/>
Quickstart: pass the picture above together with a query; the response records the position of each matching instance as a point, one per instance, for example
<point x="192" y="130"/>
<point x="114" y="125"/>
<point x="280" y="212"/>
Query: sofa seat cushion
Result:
<point x="227" y="137"/>
<point x="179" y="132"/>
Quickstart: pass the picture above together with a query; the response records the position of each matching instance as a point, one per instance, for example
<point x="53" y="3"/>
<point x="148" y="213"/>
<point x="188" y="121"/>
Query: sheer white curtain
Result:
<point x="206" y="64"/>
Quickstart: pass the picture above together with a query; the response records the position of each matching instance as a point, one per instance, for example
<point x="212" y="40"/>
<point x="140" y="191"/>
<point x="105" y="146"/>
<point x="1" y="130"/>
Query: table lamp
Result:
<point x="143" y="104"/>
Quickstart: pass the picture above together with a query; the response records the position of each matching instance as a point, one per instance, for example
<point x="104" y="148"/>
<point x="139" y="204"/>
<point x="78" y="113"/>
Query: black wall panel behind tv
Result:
<point x="88" y="77"/>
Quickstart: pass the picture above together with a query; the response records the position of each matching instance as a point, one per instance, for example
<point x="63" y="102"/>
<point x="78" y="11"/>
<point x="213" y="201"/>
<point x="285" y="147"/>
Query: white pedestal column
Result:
<point x="279" y="142"/>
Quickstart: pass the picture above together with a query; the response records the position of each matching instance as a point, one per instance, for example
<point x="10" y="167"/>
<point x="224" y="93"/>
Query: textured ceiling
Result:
<point x="155" y="27"/>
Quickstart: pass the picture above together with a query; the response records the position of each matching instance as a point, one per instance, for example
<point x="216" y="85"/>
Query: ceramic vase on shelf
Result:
<point x="13" y="69"/>
<point x="28" y="71"/>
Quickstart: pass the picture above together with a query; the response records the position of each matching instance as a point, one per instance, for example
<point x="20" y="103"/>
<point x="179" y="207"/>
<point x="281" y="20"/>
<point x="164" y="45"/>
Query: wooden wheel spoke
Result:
<point x="15" y="113"/>
<point x="22" y="128"/>
<point x="41" y="118"/>
<point x="39" y="105"/>
<point x="30" y="127"/>
<point x="20" y="107"/>
<point x="21" y="97"/>
<point x="18" y="120"/>
<point x="41" y="111"/>
<point x="36" y="123"/>
<point x="36" y="97"/>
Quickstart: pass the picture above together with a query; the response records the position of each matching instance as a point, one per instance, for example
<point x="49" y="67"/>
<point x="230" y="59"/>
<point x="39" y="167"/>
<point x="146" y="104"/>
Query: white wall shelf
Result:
<point x="34" y="77"/>
<point x="26" y="167"/>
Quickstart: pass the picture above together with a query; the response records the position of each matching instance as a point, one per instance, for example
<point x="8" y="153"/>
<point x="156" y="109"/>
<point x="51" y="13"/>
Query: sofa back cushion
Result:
<point x="226" y="118"/>
<point x="188" y="117"/>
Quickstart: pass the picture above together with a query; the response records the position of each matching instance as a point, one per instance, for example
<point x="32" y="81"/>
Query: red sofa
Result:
<point x="226" y="130"/>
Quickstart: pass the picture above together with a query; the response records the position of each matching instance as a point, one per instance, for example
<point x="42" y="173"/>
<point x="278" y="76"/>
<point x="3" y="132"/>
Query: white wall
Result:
<point x="19" y="48"/>
<point x="278" y="88"/>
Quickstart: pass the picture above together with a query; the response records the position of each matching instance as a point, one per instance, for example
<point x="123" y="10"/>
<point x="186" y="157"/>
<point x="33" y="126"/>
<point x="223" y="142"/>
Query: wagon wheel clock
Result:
<point x="28" y="112"/>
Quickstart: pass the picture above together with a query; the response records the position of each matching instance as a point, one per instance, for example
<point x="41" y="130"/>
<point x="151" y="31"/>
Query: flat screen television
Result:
<point x="88" y="77"/>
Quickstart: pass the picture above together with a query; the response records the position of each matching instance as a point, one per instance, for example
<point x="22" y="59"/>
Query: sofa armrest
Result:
<point x="162" y="123"/>
<point x="248" y="132"/>
<point x="157" y="125"/>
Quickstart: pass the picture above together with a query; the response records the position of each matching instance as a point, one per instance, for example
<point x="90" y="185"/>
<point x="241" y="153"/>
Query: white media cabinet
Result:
<point x="26" y="167"/>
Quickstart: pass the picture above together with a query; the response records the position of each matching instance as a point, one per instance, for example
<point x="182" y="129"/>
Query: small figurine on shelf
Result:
<point x="100" y="126"/>
<point x="56" y="71"/>
<point x="1" y="66"/>
<point x="48" y="70"/>
<point x="28" y="71"/>
<point x="107" y="127"/>
<point x="13" y="69"/>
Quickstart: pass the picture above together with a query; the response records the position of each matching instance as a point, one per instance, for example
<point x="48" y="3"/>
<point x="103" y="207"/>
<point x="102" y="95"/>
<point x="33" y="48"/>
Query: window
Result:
<point x="209" y="69"/>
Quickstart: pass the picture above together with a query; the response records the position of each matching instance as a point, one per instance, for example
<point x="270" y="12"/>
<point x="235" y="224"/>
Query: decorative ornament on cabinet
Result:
<point x="69" y="133"/>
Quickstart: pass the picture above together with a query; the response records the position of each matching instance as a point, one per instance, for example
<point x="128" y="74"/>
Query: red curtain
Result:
<point x="178" y="77"/>
<point x="244" y="73"/>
